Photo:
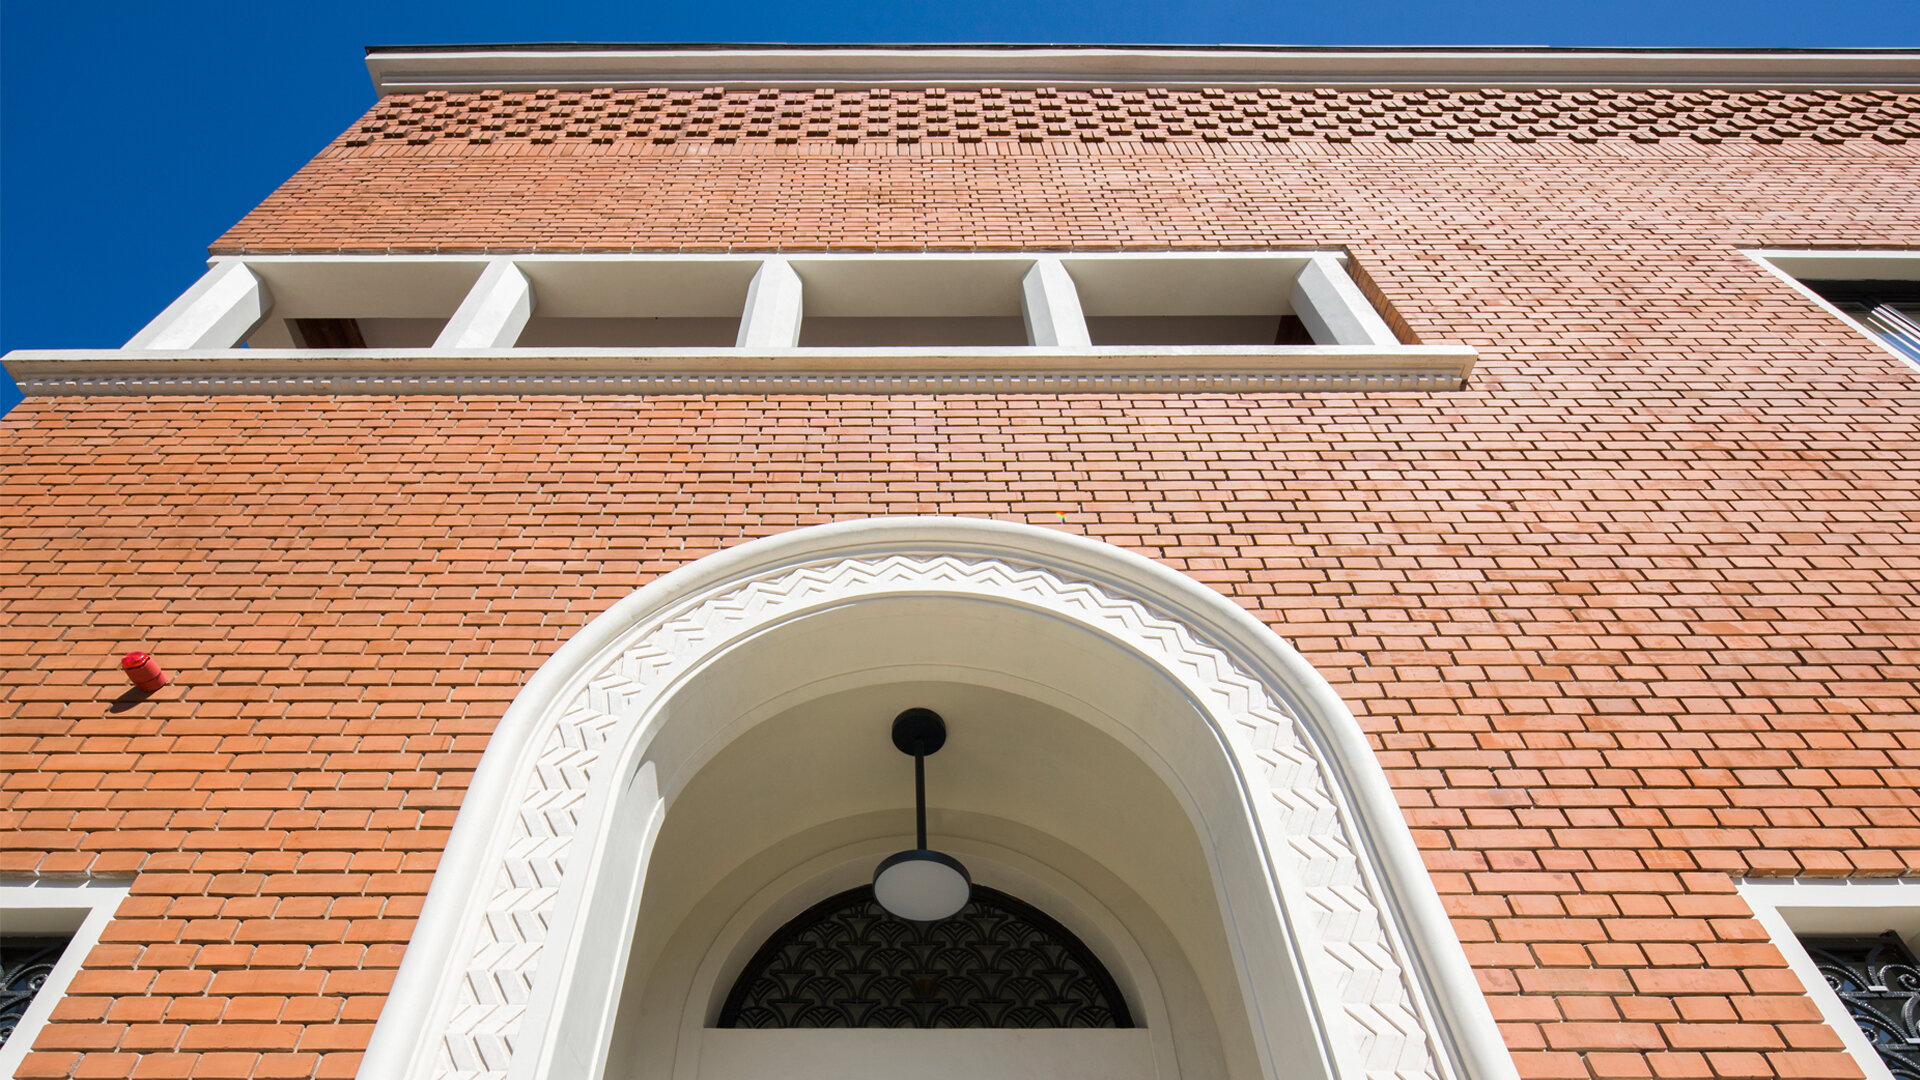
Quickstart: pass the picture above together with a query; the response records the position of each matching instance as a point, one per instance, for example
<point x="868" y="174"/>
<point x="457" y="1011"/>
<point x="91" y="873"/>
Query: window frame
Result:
<point x="47" y="906"/>
<point x="1796" y="268"/>
<point x="1791" y="908"/>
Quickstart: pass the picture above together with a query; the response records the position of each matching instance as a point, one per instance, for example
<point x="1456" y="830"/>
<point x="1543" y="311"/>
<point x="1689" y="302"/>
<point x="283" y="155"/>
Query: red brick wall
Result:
<point x="1632" y="616"/>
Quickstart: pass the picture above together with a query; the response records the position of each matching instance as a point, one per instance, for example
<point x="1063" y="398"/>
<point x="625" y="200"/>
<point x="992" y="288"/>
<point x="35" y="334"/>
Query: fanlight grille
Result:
<point x="1878" y="980"/>
<point x="1000" y="963"/>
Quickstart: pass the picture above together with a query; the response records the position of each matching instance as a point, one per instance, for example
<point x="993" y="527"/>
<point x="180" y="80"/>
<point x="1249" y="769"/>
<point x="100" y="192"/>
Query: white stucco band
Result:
<point x="517" y="956"/>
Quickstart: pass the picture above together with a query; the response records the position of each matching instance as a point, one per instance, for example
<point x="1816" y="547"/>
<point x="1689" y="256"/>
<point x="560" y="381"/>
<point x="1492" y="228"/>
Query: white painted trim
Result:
<point x="1334" y="309"/>
<point x="1791" y="266"/>
<point x="1050" y="306"/>
<point x="1867" y="905"/>
<point x="617" y="661"/>
<point x="216" y="312"/>
<point x="494" y="312"/>
<point x="775" y="301"/>
<point x="83" y="373"/>
<point x="403" y="70"/>
<point x="1839" y="263"/>
<point x="51" y="906"/>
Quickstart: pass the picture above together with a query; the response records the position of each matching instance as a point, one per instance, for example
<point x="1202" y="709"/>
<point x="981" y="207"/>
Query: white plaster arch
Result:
<point x="1325" y="894"/>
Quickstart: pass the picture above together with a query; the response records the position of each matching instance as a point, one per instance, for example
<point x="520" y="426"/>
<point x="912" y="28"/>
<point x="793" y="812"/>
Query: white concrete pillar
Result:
<point x="216" y="313"/>
<point x="1051" y="307"/>
<point x="495" y="311"/>
<point x="772" y="317"/>
<point x="1334" y="309"/>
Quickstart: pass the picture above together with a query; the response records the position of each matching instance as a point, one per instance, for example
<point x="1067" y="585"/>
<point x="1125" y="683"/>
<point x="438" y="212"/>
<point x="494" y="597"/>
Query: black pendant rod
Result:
<point x="919" y="732"/>
<point x="920" y="798"/>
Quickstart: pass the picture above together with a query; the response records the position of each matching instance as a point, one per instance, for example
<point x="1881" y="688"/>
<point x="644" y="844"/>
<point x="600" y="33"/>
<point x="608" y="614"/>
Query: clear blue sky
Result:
<point x="133" y="134"/>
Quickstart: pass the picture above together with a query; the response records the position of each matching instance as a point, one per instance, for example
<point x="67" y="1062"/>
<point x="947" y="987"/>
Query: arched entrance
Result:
<point x="1317" y="946"/>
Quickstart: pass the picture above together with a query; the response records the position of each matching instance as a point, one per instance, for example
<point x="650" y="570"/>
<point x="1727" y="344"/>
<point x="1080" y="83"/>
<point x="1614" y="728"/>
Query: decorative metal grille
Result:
<point x="999" y="963"/>
<point x="1879" y="982"/>
<point x="25" y="964"/>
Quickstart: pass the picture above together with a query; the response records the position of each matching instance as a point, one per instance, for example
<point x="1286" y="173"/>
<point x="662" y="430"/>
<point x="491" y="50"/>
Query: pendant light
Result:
<point x="921" y="885"/>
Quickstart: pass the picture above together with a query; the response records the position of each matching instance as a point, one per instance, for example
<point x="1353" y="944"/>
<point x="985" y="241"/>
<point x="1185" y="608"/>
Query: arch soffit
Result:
<point x="1387" y="974"/>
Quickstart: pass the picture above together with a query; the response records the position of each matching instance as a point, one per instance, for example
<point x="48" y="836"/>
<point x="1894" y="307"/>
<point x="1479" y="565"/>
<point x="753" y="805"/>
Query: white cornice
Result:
<point x="404" y="70"/>
<point x="83" y="373"/>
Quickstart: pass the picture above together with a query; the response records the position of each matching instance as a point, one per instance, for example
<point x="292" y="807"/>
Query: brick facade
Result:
<point x="1632" y="616"/>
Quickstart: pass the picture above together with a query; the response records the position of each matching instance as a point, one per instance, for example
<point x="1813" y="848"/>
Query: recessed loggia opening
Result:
<point x="1269" y="300"/>
<point x="330" y="304"/>
<point x="369" y="303"/>
<point x="771" y="950"/>
<point x="1189" y="301"/>
<point x="911" y="302"/>
<point x="631" y="322"/>
<point x="634" y="304"/>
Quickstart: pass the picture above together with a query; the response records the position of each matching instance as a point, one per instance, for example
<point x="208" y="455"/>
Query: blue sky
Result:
<point x="133" y="134"/>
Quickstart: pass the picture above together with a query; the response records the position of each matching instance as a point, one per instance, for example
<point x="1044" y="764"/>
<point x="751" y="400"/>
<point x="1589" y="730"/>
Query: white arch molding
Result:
<point x="1342" y="948"/>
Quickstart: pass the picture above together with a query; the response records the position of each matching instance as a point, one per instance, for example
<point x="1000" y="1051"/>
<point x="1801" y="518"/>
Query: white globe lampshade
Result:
<point x="922" y="885"/>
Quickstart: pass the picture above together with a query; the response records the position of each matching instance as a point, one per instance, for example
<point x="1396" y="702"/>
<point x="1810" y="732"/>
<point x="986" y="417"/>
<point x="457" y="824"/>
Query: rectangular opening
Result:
<point x="1189" y="300"/>
<point x="911" y="302"/>
<point x="1830" y="932"/>
<point x="327" y="334"/>
<point x="643" y="304"/>
<point x="380" y="302"/>
<point x="46" y="931"/>
<point x="1878" y="291"/>
<point x="27" y="957"/>
<point x="1887" y="309"/>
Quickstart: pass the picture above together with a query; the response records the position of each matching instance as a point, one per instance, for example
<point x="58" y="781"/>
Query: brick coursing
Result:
<point x="1632" y="615"/>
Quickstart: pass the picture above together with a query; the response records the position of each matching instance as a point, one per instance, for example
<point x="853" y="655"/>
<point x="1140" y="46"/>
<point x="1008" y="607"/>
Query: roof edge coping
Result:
<point x="414" y="69"/>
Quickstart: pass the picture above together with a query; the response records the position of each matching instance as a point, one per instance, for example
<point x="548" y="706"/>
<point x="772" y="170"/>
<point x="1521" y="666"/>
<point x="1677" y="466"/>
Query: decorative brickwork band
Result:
<point x="665" y="116"/>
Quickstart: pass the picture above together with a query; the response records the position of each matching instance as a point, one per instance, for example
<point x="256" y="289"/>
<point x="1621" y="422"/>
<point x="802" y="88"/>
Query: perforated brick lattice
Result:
<point x="718" y="115"/>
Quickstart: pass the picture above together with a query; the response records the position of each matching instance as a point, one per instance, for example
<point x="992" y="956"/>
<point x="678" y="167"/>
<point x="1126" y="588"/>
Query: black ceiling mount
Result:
<point x="919" y="732"/>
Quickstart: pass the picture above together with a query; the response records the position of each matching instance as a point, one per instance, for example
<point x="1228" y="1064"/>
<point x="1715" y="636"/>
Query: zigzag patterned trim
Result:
<point x="1356" y="959"/>
<point x="902" y="382"/>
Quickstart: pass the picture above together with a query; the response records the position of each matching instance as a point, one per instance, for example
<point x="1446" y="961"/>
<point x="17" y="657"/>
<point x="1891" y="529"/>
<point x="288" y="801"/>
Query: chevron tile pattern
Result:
<point x="1357" y="963"/>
